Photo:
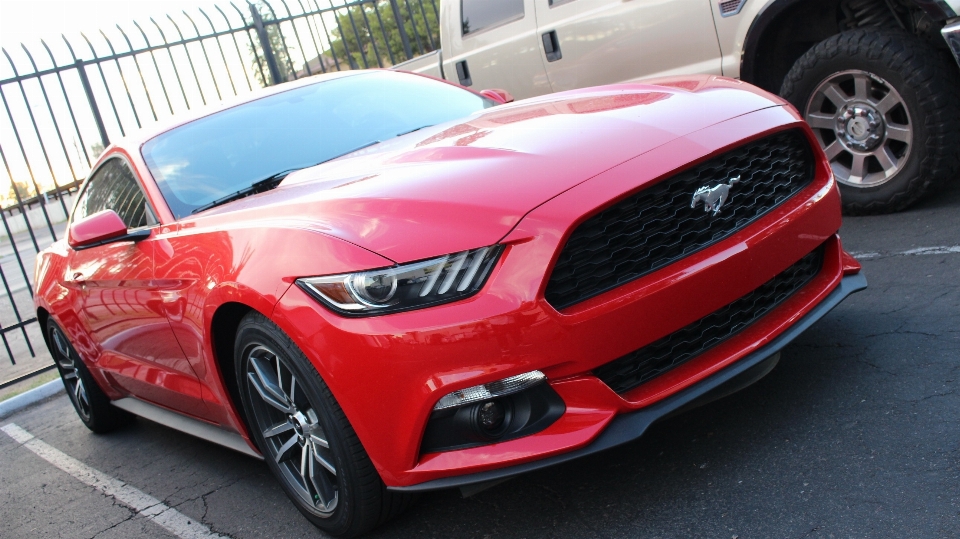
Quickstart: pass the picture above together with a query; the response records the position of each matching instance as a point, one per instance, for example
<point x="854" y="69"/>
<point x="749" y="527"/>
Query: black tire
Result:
<point x="91" y="403"/>
<point x="928" y="84"/>
<point x="267" y="362"/>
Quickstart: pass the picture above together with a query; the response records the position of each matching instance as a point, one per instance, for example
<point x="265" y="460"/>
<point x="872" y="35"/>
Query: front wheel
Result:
<point x="304" y="435"/>
<point x="883" y="106"/>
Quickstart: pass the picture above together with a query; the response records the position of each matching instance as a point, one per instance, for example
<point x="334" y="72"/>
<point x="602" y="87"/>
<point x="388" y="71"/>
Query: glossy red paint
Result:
<point x="850" y="264"/>
<point x="98" y="227"/>
<point x="510" y="329"/>
<point x="523" y="175"/>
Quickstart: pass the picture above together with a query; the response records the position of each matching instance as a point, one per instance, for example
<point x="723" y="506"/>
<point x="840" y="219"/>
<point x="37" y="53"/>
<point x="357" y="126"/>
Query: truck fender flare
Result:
<point x="936" y="9"/>
<point x="767" y="15"/>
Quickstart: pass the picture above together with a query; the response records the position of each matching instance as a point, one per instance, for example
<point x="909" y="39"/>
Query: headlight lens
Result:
<point x="405" y="287"/>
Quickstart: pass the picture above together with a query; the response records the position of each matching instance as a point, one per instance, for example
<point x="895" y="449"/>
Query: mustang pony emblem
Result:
<point x="713" y="197"/>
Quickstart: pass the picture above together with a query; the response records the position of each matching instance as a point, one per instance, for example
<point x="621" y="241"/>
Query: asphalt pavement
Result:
<point x="855" y="434"/>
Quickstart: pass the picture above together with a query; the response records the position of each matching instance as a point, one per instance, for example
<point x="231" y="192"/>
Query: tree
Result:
<point x="278" y="45"/>
<point x="22" y="188"/>
<point x="366" y="31"/>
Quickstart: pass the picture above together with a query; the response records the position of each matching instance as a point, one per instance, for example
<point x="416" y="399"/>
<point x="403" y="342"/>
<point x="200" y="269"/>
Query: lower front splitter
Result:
<point x="628" y="427"/>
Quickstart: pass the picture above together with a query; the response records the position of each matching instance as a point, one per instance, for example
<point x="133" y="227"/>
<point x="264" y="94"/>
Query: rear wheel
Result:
<point x="304" y="435"/>
<point x="91" y="403"/>
<point x="884" y="107"/>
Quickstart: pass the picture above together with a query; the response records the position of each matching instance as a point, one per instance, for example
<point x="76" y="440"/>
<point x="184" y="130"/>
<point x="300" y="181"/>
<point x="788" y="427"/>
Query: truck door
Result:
<point x="593" y="42"/>
<point x="493" y="44"/>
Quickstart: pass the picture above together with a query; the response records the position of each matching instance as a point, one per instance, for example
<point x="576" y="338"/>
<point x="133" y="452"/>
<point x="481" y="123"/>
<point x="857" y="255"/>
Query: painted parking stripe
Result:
<point x="940" y="250"/>
<point x="153" y="509"/>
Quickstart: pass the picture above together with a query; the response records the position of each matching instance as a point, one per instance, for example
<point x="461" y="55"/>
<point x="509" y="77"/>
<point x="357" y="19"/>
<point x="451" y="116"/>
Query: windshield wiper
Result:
<point x="414" y="129"/>
<point x="271" y="181"/>
<point x="357" y="149"/>
<point x="259" y="186"/>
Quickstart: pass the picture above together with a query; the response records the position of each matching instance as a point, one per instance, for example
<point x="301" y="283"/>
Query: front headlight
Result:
<point x="405" y="287"/>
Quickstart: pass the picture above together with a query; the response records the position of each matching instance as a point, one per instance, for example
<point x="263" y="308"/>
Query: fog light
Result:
<point x="491" y="415"/>
<point x="507" y="386"/>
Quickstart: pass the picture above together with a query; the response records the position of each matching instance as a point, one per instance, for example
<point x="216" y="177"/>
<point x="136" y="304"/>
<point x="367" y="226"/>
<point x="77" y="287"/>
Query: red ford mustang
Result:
<point x="463" y="293"/>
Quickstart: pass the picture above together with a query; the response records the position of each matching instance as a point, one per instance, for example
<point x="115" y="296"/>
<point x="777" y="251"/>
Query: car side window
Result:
<point x="113" y="187"/>
<point x="476" y="15"/>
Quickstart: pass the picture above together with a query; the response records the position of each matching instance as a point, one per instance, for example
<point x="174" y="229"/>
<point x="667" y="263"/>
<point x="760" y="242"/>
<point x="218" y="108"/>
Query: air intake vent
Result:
<point x="729" y="8"/>
<point x="637" y="367"/>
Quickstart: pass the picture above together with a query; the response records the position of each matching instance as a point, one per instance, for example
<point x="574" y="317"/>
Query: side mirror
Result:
<point x="498" y="95"/>
<point x="99" y="229"/>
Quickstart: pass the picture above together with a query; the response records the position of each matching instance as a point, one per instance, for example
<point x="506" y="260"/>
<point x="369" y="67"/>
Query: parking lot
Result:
<point x="854" y="434"/>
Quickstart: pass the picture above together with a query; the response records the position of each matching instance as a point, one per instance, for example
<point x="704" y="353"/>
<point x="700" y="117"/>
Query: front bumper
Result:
<point x="631" y="426"/>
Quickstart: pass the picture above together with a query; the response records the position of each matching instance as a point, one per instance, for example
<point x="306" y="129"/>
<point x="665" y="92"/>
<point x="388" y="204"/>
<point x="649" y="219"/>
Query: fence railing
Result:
<point x="66" y="101"/>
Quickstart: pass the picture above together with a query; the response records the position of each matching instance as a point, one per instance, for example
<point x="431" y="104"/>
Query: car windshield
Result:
<point x="212" y="158"/>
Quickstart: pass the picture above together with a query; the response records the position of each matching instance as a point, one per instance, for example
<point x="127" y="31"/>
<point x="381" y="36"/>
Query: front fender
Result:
<point x="208" y="263"/>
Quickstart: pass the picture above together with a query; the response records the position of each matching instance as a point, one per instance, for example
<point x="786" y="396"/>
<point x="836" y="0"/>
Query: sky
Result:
<point x="28" y="21"/>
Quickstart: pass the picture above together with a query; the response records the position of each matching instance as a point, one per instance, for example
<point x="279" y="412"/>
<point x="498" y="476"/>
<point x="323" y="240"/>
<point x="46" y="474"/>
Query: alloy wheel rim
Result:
<point x="70" y="374"/>
<point x="863" y="125"/>
<point x="292" y="434"/>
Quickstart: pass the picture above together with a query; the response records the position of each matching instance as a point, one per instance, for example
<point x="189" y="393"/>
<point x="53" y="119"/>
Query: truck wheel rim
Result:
<point x="292" y="434"/>
<point x="863" y="125"/>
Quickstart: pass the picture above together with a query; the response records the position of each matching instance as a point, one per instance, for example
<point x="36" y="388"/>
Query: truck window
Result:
<point x="476" y="15"/>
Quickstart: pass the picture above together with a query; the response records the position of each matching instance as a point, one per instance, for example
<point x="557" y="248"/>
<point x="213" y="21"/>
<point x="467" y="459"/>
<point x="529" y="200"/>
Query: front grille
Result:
<point x="656" y="226"/>
<point x="635" y="368"/>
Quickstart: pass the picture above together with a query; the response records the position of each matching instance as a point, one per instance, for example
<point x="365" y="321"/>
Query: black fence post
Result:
<point x="265" y="44"/>
<point x="398" y="18"/>
<point x="82" y="72"/>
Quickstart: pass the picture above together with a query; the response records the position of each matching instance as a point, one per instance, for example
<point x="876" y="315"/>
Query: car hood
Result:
<point x="466" y="184"/>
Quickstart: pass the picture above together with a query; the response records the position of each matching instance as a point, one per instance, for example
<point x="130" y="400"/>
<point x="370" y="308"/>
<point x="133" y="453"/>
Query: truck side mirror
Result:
<point x="498" y="95"/>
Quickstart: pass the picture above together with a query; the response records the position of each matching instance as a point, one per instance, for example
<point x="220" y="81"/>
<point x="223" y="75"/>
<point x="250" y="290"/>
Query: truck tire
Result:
<point x="884" y="106"/>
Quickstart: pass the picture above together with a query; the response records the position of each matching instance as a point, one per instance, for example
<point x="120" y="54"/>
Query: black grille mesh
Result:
<point x="657" y="226"/>
<point x="635" y="368"/>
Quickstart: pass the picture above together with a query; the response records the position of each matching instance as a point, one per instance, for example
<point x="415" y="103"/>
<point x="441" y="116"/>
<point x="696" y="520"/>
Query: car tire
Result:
<point x="91" y="403"/>
<point x="884" y="106"/>
<point x="305" y="437"/>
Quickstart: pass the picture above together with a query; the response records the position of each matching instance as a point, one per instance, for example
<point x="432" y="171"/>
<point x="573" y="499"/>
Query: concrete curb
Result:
<point x="33" y="396"/>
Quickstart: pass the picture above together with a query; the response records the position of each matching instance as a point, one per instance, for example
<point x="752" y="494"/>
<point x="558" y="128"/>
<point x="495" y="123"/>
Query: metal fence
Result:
<point x="65" y="101"/>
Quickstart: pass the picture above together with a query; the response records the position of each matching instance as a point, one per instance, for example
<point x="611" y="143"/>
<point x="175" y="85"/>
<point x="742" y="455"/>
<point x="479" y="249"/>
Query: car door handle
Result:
<point x="78" y="280"/>
<point x="463" y="73"/>
<point x="551" y="46"/>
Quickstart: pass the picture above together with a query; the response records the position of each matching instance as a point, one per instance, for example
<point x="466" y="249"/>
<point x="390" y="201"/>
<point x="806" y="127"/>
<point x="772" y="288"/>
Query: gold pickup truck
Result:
<point x="873" y="78"/>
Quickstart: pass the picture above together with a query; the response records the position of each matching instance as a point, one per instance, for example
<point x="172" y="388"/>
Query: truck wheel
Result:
<point x="883" y="105"/>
